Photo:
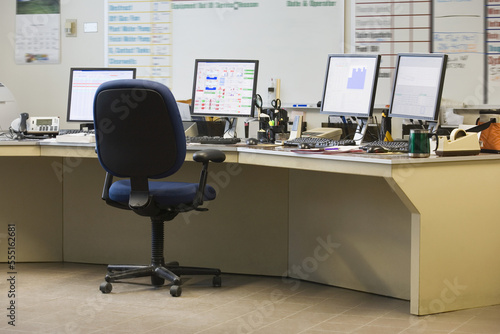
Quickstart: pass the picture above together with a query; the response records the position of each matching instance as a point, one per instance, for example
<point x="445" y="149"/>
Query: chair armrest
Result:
<point x="205" y="156"/>
<point x="209" y="155"/>
<point x="108" y="181"/>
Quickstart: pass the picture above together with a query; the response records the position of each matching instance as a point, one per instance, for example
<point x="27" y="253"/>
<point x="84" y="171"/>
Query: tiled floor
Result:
<point x="64" y="298"/>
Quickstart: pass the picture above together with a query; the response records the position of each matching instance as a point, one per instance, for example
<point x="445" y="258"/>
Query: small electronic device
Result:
<point x="418" y="85"/>
<point x="36" y="125"/>
<point x="296" y="131"/>
<point x="83" y="83"/>
<point x="329" y="133"/>
<point x="224" y="88"/>
<point x="42" y="125"/>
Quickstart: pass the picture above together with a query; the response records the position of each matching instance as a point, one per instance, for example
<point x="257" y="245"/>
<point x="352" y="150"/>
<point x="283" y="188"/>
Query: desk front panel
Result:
<point x="245" y="229"/>
<point x="31" y="197"/>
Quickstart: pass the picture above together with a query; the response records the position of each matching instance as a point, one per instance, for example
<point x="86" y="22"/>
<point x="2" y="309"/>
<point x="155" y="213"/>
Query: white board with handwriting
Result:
<point x="459" y="32"/>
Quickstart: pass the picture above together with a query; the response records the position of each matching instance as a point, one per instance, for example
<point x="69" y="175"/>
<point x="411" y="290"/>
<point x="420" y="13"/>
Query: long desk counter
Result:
<point x="424" y="230"/>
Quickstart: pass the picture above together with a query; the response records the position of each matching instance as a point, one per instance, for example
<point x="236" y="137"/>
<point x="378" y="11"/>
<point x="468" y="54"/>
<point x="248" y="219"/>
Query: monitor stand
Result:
<point x="230" y="128"/>
<point x="359" y="135"/>
<point x="432" y="126"/>
<point x="86" y="126"/>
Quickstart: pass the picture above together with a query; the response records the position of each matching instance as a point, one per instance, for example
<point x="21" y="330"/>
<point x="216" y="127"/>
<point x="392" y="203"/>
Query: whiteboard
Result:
<point x="291" y="40"/>
<point x="458" y="31"/>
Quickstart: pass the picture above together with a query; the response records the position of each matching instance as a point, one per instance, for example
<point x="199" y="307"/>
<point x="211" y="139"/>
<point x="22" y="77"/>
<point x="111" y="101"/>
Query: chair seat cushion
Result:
<point x="164" y="193"/>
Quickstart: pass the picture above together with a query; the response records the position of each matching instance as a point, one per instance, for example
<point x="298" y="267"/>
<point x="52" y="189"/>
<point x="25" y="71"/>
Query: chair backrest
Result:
<point x="139" y="131"/>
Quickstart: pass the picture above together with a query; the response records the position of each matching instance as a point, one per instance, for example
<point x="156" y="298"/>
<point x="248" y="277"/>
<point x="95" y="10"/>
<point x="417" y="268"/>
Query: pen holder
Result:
<point x="262" y="136"/>
<point x="270" y="135"/>
<point x="277" y="132"/>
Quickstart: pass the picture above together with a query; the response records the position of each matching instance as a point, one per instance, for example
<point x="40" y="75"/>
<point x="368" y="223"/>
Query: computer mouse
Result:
<point x="252" y="141"/>
<point x="377" y="149"/>
<point x="304" y="146"/>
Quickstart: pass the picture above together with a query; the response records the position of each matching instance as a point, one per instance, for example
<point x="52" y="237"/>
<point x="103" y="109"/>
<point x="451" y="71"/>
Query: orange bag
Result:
<point x="490" y="138"/>
<point x="489" y="125"/>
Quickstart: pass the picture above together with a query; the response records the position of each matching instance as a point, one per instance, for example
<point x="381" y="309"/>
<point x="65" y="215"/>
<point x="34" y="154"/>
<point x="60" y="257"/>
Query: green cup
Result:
<point x="419" y="146"/>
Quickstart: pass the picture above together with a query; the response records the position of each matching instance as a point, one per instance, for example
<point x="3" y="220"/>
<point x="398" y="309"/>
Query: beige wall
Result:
<point x="42" y="90"/>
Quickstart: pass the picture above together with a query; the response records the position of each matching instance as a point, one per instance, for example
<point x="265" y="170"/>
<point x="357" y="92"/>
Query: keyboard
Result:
<point x="212" y="140"/>
<point x="75" y="131"/>
<point x="318" y="142"/>
<point x="79" y="137"/>
<point x="393" y="146"/>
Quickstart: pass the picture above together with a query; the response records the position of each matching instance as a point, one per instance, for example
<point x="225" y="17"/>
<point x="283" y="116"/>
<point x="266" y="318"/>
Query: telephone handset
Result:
<point x="22" y="122"/>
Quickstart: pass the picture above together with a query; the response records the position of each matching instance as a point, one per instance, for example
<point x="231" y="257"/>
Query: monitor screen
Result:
<point x="83" y="83"/>
<point x="224" y="87"/>
<point x="350" y="85"/>
<point x="418" y="85"/>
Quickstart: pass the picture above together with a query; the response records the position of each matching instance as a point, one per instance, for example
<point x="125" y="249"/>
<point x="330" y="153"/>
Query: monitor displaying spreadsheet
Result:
<point x="83" y="84"/>
<point x="418" y="85"/>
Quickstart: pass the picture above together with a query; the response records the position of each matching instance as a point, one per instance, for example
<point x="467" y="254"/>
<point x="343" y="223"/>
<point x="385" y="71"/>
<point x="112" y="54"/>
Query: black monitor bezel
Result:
<point x="208" y="114"/>
<point x="70" y="91"/>
<point x="437" y="103"/>
<point x="369" y="112"/>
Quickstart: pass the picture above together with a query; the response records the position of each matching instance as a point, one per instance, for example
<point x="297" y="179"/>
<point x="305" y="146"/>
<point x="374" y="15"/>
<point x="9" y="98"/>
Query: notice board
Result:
<point x="458" y="30"/>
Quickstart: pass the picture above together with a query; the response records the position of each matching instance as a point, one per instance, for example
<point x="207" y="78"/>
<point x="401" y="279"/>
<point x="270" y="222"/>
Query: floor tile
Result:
<point x="64" y="298"/>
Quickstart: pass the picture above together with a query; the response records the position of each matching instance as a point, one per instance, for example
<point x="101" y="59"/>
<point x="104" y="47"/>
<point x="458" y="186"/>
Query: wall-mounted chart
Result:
<point x="291" y="40"/>
<point x="388" y="27"/>
<point x="138" y="34"/>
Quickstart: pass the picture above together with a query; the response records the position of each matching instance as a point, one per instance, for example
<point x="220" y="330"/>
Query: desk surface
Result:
<point x="52" y="148"/>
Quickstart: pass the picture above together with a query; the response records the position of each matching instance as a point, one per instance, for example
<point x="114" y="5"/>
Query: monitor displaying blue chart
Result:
<point x="350" y="85"/>
<point x="357" y="79"/>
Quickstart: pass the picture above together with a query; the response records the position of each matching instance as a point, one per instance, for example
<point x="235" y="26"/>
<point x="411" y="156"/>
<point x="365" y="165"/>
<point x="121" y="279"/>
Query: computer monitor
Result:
<point x="417" y="86"/>
<point x="349" y="89"/>
<point x="224" y="87"/>
<point x="350" y="85"/>
<point x="83" y="83"/>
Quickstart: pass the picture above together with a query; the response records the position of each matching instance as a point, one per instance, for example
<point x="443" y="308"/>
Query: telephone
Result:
<point x="36" y="125"/>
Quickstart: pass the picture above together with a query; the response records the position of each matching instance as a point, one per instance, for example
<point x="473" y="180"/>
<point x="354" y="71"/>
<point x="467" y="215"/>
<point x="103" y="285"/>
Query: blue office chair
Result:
<point x="140" y="137"/>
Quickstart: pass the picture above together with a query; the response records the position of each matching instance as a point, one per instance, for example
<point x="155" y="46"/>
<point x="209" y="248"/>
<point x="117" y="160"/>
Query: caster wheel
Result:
<point x="157" y="281"/>
<point x="217" y="281"/>
<point x="175" y="290"/>
<point x="172" y="264"/>
<point x="105" y="287"/>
